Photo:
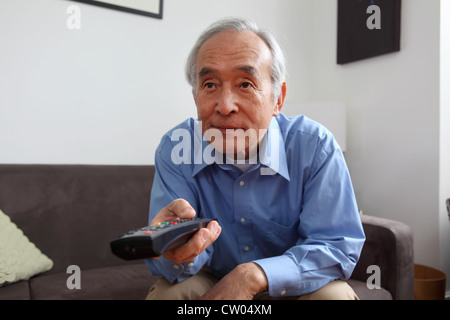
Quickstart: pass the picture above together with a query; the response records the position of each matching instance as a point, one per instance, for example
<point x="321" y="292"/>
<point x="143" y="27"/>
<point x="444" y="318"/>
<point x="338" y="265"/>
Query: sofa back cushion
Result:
<point x="72" y="212"/>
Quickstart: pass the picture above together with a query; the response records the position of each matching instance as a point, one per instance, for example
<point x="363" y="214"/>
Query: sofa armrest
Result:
<point x="389" y="245"/>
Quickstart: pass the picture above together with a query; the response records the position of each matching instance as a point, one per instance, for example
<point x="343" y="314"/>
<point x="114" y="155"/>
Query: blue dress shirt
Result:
<point x="293" y="212"/>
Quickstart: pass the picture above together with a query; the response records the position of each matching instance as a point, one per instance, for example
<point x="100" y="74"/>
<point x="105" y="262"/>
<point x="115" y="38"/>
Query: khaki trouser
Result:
<point x="194" y="287"/>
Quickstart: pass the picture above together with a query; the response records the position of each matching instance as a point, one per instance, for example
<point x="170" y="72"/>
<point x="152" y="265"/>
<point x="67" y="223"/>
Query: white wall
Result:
<point x="393" y="119"/>
<point x="445" y="140"/>
<point x="106" y="93"/>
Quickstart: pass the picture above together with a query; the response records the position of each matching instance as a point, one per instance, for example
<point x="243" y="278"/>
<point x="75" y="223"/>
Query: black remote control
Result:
<point x="153" y="241"/>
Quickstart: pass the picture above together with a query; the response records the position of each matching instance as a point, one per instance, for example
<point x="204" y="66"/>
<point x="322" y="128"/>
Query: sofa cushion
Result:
<point x="128" y="282"/>
<point x="72" y="212"/>
<point x="20" y="259"/>
<point x="16" y="291"/>
<point x="365" y="293"/>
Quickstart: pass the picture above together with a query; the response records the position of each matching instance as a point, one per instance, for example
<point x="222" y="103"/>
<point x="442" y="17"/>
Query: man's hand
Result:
<point x="243" y="283"/>
<point x="181" y="209"/>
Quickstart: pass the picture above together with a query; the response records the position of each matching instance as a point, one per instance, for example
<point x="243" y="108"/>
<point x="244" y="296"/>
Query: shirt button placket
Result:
<point x="245" y="237"/>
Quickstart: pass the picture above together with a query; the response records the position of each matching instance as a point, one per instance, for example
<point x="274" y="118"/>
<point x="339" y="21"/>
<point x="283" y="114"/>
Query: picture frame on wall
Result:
<point x="367" y="28"/>
<point x="149" y="8"/>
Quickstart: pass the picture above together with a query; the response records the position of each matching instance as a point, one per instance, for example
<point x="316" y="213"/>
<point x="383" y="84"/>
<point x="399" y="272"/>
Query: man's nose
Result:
<point x="226" y="103"/>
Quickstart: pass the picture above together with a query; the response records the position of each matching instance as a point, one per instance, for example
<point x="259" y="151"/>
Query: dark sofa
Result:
<point x="72" y="212"/>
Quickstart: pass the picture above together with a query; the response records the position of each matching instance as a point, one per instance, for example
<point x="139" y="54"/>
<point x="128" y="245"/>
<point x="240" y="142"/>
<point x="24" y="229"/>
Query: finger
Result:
<point x="196" y="245"/>
<point x="214" y="233"/>
<point x="204" y="238"/>
<point x="215" y="230"/>
<point x="189" y="250"/>
<point x="177" y="209"/>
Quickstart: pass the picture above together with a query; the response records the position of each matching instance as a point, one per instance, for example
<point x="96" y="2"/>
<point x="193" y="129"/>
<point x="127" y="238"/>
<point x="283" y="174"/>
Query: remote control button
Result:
<point x="148" y="232"/>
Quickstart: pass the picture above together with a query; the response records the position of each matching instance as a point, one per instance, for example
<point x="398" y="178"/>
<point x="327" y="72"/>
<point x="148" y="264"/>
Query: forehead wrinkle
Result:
<point x="241" y="59"/>
<point x="247" y="69"/>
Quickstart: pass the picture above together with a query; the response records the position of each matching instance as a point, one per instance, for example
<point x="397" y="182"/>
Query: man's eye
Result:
<point x="209" y="85"/>
<point x="246" y="85"/>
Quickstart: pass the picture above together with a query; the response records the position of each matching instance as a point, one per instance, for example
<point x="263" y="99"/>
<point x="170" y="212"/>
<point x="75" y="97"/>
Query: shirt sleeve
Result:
<point x="169" y="184"/>
<point x="330" y="232"/>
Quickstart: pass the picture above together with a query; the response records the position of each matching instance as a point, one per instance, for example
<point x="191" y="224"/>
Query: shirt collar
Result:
<point x="272" y="155"/>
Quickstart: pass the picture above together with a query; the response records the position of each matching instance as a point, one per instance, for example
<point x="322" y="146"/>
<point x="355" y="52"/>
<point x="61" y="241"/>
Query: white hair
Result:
<point x="278" y="73"/>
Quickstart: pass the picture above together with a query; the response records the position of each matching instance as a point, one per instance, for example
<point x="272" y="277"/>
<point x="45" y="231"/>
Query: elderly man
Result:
<point x="288" y="224"/>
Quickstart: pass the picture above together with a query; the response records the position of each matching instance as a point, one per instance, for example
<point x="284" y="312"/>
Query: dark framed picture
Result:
<point x="367" y="28"/>
<point x="149" y="8"/>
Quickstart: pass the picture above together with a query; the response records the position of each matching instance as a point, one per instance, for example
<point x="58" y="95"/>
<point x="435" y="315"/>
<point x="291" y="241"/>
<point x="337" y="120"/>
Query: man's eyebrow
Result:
<point x="205" y="71"/>
<point x="248" y="69"/>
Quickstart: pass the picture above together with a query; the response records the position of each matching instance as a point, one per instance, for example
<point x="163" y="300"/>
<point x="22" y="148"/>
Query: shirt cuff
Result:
<point x="171" y="271"/>
<point x="282" y="275"/>
<point x="177" y="272"/>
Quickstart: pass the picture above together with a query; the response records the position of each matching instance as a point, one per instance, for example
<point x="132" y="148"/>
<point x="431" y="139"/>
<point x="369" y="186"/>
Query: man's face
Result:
<point x="234" y="91"/>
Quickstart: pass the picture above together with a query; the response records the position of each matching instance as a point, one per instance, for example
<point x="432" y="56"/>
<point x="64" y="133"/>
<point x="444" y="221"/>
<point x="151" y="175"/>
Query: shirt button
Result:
<point x="283" y="292"/>
<point x="176" y="267"/>
<point x="247" y="249"/>
<point x="242" y="183"/>
<point x="243" y="220"/>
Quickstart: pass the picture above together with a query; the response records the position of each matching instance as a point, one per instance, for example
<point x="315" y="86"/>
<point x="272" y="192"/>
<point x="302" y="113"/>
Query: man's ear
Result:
<point x="280" y="100"/>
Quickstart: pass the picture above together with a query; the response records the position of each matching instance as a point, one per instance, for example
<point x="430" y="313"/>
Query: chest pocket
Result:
<point x="277" y="238"/>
